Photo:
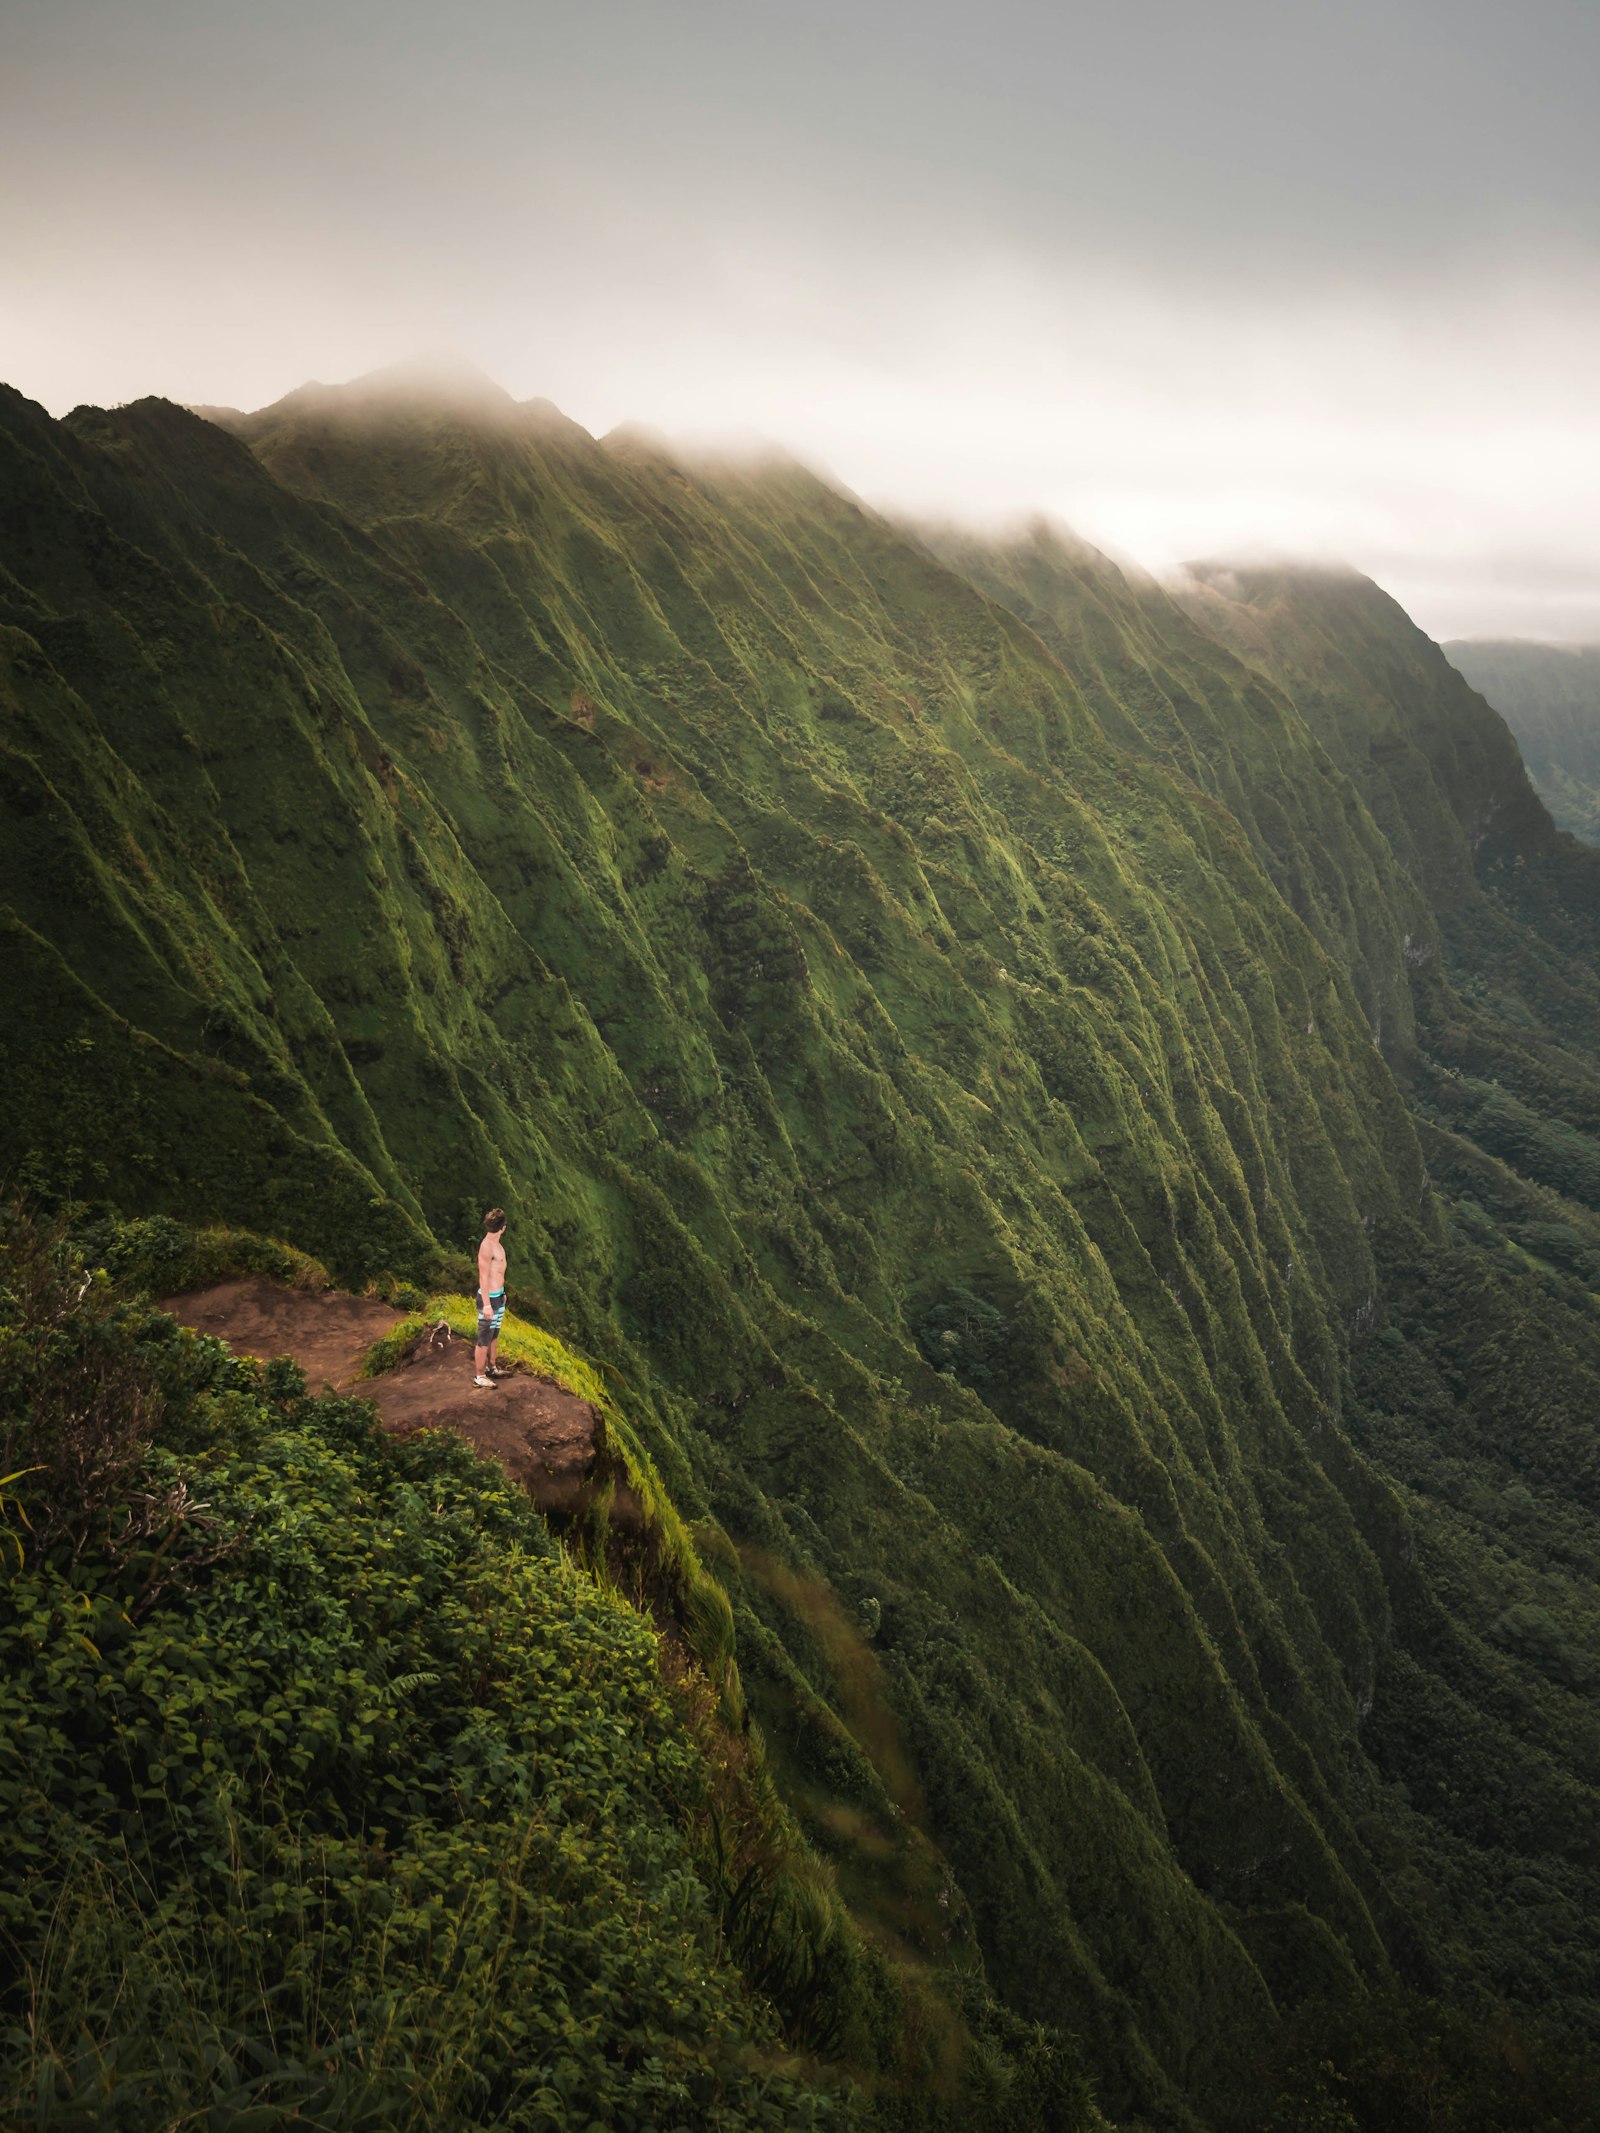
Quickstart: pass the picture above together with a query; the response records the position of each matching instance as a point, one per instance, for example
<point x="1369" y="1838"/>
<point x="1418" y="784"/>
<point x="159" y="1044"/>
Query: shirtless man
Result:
<point x="491" y="1298"/>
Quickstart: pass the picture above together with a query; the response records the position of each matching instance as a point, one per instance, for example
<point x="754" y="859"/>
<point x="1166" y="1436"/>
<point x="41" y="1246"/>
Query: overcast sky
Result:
<point x="1254" y="276"/>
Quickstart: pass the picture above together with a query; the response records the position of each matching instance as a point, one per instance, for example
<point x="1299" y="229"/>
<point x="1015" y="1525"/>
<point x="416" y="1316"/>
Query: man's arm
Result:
<point x="485" y="1282"/>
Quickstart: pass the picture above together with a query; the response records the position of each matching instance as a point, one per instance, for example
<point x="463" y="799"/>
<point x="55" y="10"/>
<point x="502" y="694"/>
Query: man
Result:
<point x="491" y="1298"/>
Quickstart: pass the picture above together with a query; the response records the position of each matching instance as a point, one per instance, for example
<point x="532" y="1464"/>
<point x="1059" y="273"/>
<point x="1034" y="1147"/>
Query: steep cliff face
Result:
<point x="1440" y="776"/>
<point x="1516" y="902"/>
<point x="918" y="1007"/>
<point x="1549" y="695"/>
<point x="1163" y="685"/>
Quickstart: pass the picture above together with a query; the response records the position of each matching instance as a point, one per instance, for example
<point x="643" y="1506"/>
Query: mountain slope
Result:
<point x="920" y="1019"/>
<point x="1475" y="1392"/>
<point x="1549" y="695"/>
<point x="1164" y="686"/>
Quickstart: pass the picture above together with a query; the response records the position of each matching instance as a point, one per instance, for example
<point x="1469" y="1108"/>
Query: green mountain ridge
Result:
<point x="1549" y="695"/>
<point x="1073" y="1112"/>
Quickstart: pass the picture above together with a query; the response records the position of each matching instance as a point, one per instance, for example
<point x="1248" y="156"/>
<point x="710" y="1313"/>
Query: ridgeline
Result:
<point x="1061" y="1120"/>
<point x="1549" y="695"/>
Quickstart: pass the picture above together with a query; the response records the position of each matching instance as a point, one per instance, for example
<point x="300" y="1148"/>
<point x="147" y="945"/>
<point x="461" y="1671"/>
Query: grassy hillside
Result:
<point x="919" y="1008"/>
<point x="1549" y="695"/>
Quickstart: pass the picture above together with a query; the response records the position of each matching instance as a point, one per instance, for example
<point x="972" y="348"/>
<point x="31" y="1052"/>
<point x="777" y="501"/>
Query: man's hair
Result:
<point x="495" y="1218"/>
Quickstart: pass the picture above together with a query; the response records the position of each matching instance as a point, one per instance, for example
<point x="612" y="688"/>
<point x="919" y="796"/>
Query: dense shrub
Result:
<point x="966" y="1336"/>
<point x="1393" y="2061"/>
<point x="341" y="1797"/>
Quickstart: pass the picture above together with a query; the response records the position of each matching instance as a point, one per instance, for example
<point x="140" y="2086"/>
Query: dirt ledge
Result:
<point x="542" y="1435"/>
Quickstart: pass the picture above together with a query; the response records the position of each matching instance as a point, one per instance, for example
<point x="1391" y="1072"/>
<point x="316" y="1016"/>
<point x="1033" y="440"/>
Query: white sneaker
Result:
<point x="484" y="1381"/>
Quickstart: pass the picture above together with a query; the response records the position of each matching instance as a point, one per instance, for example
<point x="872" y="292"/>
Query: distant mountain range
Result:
<point x="1070" y="1114"/>
<point x="1549" y="695"/>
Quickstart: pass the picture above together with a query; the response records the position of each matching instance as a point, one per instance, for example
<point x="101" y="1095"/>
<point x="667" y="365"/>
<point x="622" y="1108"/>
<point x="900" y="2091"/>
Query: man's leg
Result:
<point x="483" y="1349"/>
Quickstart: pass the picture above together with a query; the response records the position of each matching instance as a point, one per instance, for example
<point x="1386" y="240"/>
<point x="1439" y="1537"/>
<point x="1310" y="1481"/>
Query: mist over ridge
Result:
<point x="446" y="382"/>
<point x="1048" y="1122"/>
<point x="1326" y="285"/>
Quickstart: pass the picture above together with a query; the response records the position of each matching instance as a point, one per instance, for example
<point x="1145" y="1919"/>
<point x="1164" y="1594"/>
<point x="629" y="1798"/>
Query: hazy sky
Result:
<point x="1195" y="278"/>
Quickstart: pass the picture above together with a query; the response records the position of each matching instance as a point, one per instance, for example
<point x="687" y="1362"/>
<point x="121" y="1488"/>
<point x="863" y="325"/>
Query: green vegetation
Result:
<point x="337" y="1794"/>
<point x="329" y="1783"/>
<point x="1549" y="695"/>
<point x="1057" y="1124"/>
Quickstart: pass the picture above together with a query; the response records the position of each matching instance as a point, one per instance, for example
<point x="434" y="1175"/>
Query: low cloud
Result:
<point x="979" y="271"/>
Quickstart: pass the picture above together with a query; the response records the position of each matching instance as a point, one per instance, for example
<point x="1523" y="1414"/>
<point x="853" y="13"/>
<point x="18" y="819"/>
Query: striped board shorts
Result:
<point x="489" y="1321"/>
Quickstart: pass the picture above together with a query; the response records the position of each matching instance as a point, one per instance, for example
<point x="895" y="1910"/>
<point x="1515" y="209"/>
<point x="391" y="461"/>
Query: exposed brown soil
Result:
<point x="326" y="1332"/>
<point x="541" y="1434"/>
